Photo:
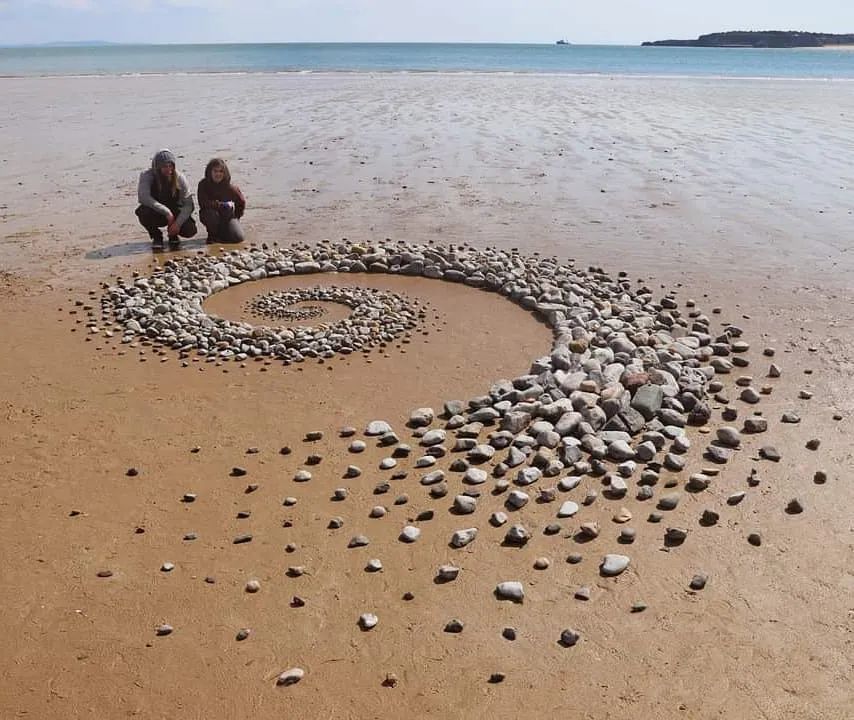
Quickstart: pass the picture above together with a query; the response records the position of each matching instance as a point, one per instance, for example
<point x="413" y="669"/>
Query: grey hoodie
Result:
<point x="147" y="181"/>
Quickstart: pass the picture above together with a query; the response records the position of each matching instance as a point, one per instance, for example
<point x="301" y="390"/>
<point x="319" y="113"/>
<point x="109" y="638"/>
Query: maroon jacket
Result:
<point x="211" y="193"/>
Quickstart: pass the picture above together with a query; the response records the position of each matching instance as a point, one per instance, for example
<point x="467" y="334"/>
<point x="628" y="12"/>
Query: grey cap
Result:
<point x="163" y="157"/>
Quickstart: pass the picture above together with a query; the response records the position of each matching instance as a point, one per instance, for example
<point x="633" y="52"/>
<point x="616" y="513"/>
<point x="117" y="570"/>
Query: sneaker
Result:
<point x="211" y="240"/>
<point x="174" y="243"/>
<point x="157" y="243"/>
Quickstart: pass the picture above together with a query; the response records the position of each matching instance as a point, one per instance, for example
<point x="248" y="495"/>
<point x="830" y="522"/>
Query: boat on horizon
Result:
<point x="563" y="41"/>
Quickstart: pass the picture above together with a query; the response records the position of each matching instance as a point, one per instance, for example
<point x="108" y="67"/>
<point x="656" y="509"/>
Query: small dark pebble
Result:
<point x="240" y="539"/>
<point x="382" y="489"/>
<point x="242" y="634"/>
<point x="132" y="472"/>
<point x="574" y="559"/>
<point x="210" y="579"/>
<point x="285" y="450"/>
<point x="698" y="582"/>
<point x="425" y="515"/>
<point x="313" y="460"/>
<point x="820" y="477"/>
<point x="243" y="514"/>
<point x="251" y="488"/>
<point x="408" y="596"/>
<point x="297" y="602"/>
<point x="509" y="633"/>
<point x="754" y="539"/>
<point x="552" y="529"/>
<point x="105" y="573"/>
<point x="709" y="517"/>
<point x="238" y="472"/>
<point x="794" y="507"/>
<point x="74" y="513"/>
<point x="639" y="607"/>
<point x="313" y="436"/>
<point x="497" y="677"/>
<point x="654" y="517"/>
<point x="454" y="626"/>
<point x="813" y="444"/>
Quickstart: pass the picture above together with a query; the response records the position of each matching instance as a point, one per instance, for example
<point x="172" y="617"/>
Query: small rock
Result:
<point x="542" y="563"/>
<point x="510" y="590"/>
<point x="368" y="621"/>
<point x="454" y="626"/>
<point x="496" y="678"/>
<point x="698" y="582"/>
<point x="639" y="607"/>
<point x="794" y="507"/>
<point x="163" y="630"/>
<point x="242" y="634"/>
<point x="241" y="539"/>
<point x="410" y="534"/>
<point x="461" y="538"/>
<point x="167" y="567"/>
<point x="813" y="444"/>
<point x="754" y="539"/>
<point x="568" y="638"/>
<point x="769" y="452"/>
<point x="583" y="593"/>
<point x="253" y="586"/>
<point x="238" y="472"/>
<point x="290" y="677"/>
<point x="613" y="565"/>
<point x="358" y="541"/>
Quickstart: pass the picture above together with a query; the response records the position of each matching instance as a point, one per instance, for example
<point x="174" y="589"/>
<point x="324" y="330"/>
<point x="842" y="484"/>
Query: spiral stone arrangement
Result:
<point x="621" y="361"/>
<point x="275" y="306"/>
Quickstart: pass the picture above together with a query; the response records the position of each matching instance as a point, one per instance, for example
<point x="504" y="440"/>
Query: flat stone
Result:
<point x="461" y="538"/>
<point x="290" y="677"/>
<point x="410" y="534"/>
<point x="613" y="565"/>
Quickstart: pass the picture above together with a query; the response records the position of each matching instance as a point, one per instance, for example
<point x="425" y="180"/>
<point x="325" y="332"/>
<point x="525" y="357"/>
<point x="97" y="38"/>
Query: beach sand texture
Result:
<point x="737" y="194"/>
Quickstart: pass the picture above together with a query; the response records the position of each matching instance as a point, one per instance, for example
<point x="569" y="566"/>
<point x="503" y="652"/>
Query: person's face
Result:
<point x="167" y="170"/>
<point x="217" y="174"/>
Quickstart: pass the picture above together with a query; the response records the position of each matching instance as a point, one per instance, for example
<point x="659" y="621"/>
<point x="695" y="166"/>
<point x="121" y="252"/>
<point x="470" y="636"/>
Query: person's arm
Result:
<point x="185" y="201"/>
<point x="145" y="198"/>
<point x="239" y="202"/>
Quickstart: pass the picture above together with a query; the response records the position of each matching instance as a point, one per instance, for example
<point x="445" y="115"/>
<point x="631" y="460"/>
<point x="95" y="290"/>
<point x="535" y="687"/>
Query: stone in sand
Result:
<point x="410" y="534"/>
<point x="510" y="590"/>
<point x="368" y="621"/>
<point x="612" y="564"/>
<point x="698" y="582"/>
<point x="422" y="417"/>
<point x="569" y="637"/>
<point x="290" y="677"/>
<point x="377" y="427"/>
<point x="253" y="586"/>
<point x="461" y="538"/>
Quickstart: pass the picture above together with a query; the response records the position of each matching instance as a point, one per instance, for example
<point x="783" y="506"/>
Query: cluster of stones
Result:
<point x="278" y="306"/>
<point x="620" y="363"/>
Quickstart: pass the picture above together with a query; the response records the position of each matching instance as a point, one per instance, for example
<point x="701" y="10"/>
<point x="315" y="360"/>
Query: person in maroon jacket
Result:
<point x="221" y="204"/>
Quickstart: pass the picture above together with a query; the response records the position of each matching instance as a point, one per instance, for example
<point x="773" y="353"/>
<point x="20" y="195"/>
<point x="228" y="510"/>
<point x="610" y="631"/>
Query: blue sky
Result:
<point x="602" y="21"/>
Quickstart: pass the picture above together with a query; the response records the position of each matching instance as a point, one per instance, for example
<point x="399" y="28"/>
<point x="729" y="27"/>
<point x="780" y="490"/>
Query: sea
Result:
<point x="823" y="64"/>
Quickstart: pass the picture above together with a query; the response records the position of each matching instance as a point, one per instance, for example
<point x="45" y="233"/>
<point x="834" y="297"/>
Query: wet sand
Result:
<point x="739" y="191"/>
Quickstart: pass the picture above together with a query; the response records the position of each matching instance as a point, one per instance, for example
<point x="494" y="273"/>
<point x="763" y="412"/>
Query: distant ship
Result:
<point x="563" y="42"/>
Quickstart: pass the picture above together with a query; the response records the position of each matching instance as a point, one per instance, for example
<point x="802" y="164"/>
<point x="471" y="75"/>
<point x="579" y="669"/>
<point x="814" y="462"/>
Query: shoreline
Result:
<point x="432" y="73"/>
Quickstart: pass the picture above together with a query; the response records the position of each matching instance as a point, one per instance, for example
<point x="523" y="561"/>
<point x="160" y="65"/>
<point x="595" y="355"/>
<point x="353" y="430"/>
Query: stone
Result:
<point x="242" y="634"/>
<point x="613" y="565"/>
<point x="729" y="436"/>
<point x="163" y="630"/>
<point x="698" y="582"/>
<point x="447" y="573"/>
<point x="377" y="511"/>
<point x="253" y="586"/>
<point x="647" y="400"/>
<point x="567" y="509"/>
<point x="669" y="501"/>
<point x="454" y="626"/>
<point x="736" y="498"/>
<point x="290" y="677"/>
<point x="675" y="536"/>
<point x="754" y="539"/>
<point x="768" y="452"/>
<point x="464" y="505"/>
<point x="410" y="534"/>
<point x="510" y="590"/>
<point x="358" y="541"/>
<point x="754" y="425"/>
<point x="377" y="427"/>
<point x="542" y="563"/>
<point x="388" y="463"/>
<point x="422" y="417"/>
<point x="368" y="621"/>
<point x="569" y="638"/>
<point x="623" y="515"/>
<point x="583" y="593"/>
<point x="589" y="530"/>
<point x="461" y="538"/>
<point x="302" y="476"/>
<point x="357" y="446"/>
<point x="517" y="499"/>
<point x="794" y="507"/>
<point x="517" y="535"/>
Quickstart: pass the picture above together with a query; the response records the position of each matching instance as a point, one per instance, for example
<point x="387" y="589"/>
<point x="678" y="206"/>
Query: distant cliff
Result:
<point x="760" y="39"/>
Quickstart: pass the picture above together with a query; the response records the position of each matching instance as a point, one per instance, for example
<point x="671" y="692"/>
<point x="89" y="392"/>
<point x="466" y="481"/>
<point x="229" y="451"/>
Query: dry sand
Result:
<point x="739" y="191"/>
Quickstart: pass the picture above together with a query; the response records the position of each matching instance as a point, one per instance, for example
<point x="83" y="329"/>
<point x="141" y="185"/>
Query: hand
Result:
<point x="170" y="219"/>
<point x="172" y="229"/>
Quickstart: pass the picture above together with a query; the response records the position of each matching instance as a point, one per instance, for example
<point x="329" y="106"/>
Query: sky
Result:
<point x="599" y="21"/>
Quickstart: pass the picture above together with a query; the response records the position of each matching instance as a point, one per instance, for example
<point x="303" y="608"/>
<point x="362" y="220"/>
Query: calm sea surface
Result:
<point x="405" y="57"/>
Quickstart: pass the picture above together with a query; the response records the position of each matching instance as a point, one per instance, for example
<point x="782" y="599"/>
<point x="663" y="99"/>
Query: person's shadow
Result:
<point x="142" y="247"/>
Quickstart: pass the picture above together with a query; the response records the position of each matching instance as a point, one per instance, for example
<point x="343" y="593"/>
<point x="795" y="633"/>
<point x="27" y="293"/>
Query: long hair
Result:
<point x="173" y="181"/>
<point x="218" y="163"/>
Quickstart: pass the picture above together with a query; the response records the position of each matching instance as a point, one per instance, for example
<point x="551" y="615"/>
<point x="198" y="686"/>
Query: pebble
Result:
<point x="357" y="446"/>
<point x="675" y="536"/>
<point x="410" y="534"/>
<point x="669" y="501"/>
<point x="813" y="444"/>
<point x="623" y="515"/>
<point x="314" y="436"/>
<point x="709" y="517"/>
<point x="510" y="590"/>
<point x="388" y="463"/>
<point x="163" y="630"/>
<point x="253" y="586"/>
<point x="497" y="677"/>
<point x="290" y="677"/>
<point x="638" y="607"/>
<point x="542" y="563"/>
<point x="820" y="477"/>
<point x="302" y="476"/>
<point x="794" y="507"/>
<point x="769" y="452"/>
<point x="167" y="567"/>
<point x="497" y="519"/>
<point x="454" y="626"/>
<point x="241" y="539"/>
<point x="378" y="511"/>
<point x="568" y="638"/>
<point x="447" y="573"/>
<point x="613" y="565"/>
<point x="238" y="472"/>
<point x="242" y="634"/>
<point x="583" y="593"/>
<point x="627" y="535"/>
<point x="461" y="538"/>
<point x="105" y="573"/>
<point x="289" y="501"/>
<point x="368" y="621"/>
<point x="790" y="418"/>
<point x="358" y="541"/>
<point x="698" y="582"/>
<point x="754" y="539"/>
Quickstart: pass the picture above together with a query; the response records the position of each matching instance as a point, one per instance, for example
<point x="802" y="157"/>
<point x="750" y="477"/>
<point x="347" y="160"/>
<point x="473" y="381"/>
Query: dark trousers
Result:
<point x="221" y="224"/>
<point x="152" y="221"/>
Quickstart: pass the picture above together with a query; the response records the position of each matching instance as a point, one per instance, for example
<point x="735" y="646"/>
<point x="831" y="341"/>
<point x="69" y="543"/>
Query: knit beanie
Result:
<point x="163" y="157"/>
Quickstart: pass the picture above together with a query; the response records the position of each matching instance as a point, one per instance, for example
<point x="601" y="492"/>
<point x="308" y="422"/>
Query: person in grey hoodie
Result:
<point x="165" y="200"/>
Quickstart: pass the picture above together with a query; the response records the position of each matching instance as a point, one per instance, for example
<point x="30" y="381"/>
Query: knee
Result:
<point x="235" y="231"/>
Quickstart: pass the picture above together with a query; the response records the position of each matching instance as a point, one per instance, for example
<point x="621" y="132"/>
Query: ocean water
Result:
<point x="428" y="57"/>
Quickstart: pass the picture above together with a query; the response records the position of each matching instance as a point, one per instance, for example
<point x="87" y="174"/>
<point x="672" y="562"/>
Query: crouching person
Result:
<point x="165" y="201"/>
<point x="221" y="204"/>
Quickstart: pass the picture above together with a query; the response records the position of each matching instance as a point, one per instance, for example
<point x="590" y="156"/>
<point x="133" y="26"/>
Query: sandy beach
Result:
<point x="736" y="194"/>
